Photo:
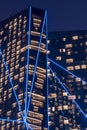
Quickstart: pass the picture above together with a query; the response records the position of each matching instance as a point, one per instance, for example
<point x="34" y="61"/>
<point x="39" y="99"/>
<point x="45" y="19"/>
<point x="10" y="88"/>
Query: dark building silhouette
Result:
<point x="69" y="50"/>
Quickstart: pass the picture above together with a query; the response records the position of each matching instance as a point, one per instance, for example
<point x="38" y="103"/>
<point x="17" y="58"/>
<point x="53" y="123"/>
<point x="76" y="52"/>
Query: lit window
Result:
<point x="5" y="38"/>
<point x="66" y="121"/>
<point x="65" y="107"/>
<point x="52" y="95"/>
<point x="75" y="37"/>
<point x="64" y="50"/>
<point x="85" y="100"/>
<point x="69" y="53"/>
<point x="48" y="41"/>
<point x="68" y="46"/>
<point x="59" y="108"/>
<point x="64" y="39"/>
<point x="64" y="94"/>
<point x="79" y="96"/>
<point x="83" y="83"/>
<point x="70" y="68"/>
<point x="69" y="60"/>
<point x="73" y="97"/>
<point x="58" y="58"/>
<point x="0" y="41"/>
<point x="16" y="77"/>
<point x="83" y="66"/>
<point x="77" y="79"/>
<point x="21" y="79"/>
<point x="53" y="108"/>
<point x="15" y="23"/>
<point x="77" y="67"/>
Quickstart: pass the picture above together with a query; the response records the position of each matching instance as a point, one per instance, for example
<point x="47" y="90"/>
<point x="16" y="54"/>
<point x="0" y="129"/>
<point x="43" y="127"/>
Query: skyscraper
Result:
<point x="23" y="86"/>
<point x="68" y="91"/>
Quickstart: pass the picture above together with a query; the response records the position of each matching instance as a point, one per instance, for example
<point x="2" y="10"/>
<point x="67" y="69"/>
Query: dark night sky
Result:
<point x="62" y="14"/>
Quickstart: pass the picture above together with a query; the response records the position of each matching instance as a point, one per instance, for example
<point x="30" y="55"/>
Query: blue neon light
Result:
<point x="68" y="93"/>
<point x="28" y="126"/>
<point x="36" y="64"/>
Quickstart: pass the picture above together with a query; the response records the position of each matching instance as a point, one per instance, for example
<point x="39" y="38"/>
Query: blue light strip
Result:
<point x="66" y="70"/>
<point x="27" y="69"/>
<point x="28" y="126"/>
<point x="36" y="63"/>
<point x="10" y="120"/>
<point x="68" y="93"/>
<point x="47" y="70"/>
<point x="3" y="59"/>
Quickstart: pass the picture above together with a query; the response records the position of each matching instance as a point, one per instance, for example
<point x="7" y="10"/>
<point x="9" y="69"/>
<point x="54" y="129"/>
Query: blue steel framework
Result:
<point x="27" y="102"/>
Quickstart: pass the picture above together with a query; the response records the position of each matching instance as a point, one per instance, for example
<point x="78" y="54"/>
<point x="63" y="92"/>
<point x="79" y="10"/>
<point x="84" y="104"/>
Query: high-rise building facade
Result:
<point x="23" y="89"/>
<point x="68" y="106"/>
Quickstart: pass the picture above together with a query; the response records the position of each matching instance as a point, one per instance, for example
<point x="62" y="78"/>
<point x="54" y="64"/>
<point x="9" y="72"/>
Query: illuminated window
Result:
<point x="58" y="58"/>
<point x="85" y="100"/>
<point x="48" y="41"/>
<point x="59" y="108"/>
<point x="77" y="67"/>
<point x="52" y="95"/>
<point x="53" y="108"/>
<point x="83" y="66"/>
<point x="66" y="121"/>
<point x="0" y="41"/>
<point x="64" y="39"/>
<point x="75" y="37"/>
<point x="69" y="60"/>
<point x="83" y="83"/>
<point x="64" y="94"/>
<point x="21" y="79"/>
<point x="77" y="79"/>
<point x="79" y="96"/>
<point x="65" y="107"/>
<point x="62" y="50"/>
<point x="73" y="97"/>
<point x="70" y="68"/>
<point x="68" y="46"/>
<point x="16" y="77"/>
<point x="69" y="53"/>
